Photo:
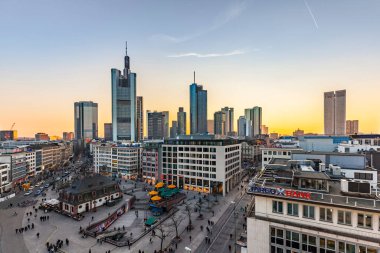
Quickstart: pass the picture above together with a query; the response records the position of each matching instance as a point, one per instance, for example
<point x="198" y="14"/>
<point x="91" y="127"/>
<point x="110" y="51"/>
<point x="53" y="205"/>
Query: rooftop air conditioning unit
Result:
<point x="335" y="170"/>
<point x="322" y="167"/>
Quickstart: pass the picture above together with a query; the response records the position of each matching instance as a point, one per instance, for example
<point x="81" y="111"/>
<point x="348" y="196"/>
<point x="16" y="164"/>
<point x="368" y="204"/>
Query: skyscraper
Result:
<point x="229" y="124"/>
<point x="166" y="124"/>
<point x="181" y="121"/>
<point x="352" y="127"/>
<point x="174" y="129"/>
<point x="86" y="120"/>
<point x="242" y="126"/>
<point x="124" y="119"/>
<point x="198" y="109"/>
<point x="156" y="125"/>
<point x="210" y="126"/>
<point x="68" y="136"/>
<point x="108" y="131"/>
<point x="254" y="120"/>
<point x="335" y="112"/>
<point x="140" y="118"/>
<point x="220" y="123"/>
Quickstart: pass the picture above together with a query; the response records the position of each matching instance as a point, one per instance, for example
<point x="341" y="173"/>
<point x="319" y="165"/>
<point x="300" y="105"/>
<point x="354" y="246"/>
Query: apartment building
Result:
<point x="151" y="154"/>
<point x="5" y="177"/>
<point x="270" y="153"/>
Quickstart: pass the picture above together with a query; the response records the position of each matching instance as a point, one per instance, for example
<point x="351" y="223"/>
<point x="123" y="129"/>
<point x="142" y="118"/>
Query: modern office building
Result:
<point x="210" y="126"/>
<point x="300" y="209"/>
<point x="352" y="127"/>
<point x="151" y="153"/>
<point x="116" y="160"/>
<point x="41" y="137"/>
<point x="254" y="121"/>
<point x="229" y="123"/>
<point x="5" y="177"/>
<point x="220" y="123"/>
<point x="68" y="136"/>
<point x="242" y="126"/>
<point x="15" y="157"/>
<point x="156" y="125"/>
<point x="108" y="131"/>
<point x="264" y="129"/>
<point x="335" y="112"/>
<point x="86" y="120"/>
<point x="201" y="163"/>
<point x="166" y="124"/>
<point x="181" y="119"/>
<point x="140" y="118"/>
<point x="174" y="129"/>
<point x="8" y="135"/>
<point x="198" y="109"/>
<point x="124" y="113"/>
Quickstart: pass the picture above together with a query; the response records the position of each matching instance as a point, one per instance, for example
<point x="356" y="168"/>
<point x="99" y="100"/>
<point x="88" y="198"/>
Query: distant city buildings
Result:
<point x="198" y="109"/>
<point x="254" y="121"/>
<point x="41" y="137"/>
<point x="86" y="120"/>
<point x="229" y="122"/>
<point x="151" y="161"/>
<point x="274" y="135"/>
<point x="156" y="122"/>
<point x="166" y="124"/>
<point x="124" y="113"/>
<point x="220" y="123"/>
<point x="8" y="135"/>
<point x="210" y="126"/>
<point x="298" y="132"/>
<point x="108" y="131"/>
<point x="264" y="129"/>
<point x="140" y="118"/>
<point x="242" y="126"/>
<point x="174" y="129"/>
<point x="181" y="119"/>
<point x="352" y="127"/>
<point x="335" y="112"/>
<point x="68" y="136"/>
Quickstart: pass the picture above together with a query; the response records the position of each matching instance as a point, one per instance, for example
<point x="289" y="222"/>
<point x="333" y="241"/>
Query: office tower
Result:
<point x="352" y="127"/>
<point x="220" y="123"/>
<point x="242" y="126"/>
<point x="174" y="129"/>
<point x="68" y="136"/>
<point x="108" y="131"/>
<point x="8" y="135"/>
<point x="124" y="119"/>
<point x="264" y="129"/>
<point x="254" y="119"/>
<point x="140" y="118"/>
<point x="229" y="124"/>
<point x="166" y="124"/>
<point x="181" y="119"/>
<point x="86" y="120"/>
<point x="41" y="137"/>
<point x="335" y="112"/>
<point x="198" y="109"/>
<point x="210" y="126"/>
<point x="156" y="125"/>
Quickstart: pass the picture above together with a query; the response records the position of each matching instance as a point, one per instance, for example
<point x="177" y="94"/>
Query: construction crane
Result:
<point x="14" y="123"/>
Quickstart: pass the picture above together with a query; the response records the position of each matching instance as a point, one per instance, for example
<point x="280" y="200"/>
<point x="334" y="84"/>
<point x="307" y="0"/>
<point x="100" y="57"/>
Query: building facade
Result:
<point x="86" y="120"/>
<point x="229" y="123"/>
<point x="271" y="153"/>
<point x="352" y="127"/>
<point x="41" y="137"/>
<point x="140" y="118"/>
<point x="242" y="126"/>
<point x="335" y="112"/>
<point x="8" y="135"/>
<point x="198" y="109"/>
<point x="156" y="125"/>
<point x="174" y="129"/>
<point x="151" y="154"/>
<point x="254" y="121"/>
<point x="108" y="131"/>
<point x="181" y="119"/>
<point x="68" y="136"/>
<point x="220" y="123"/>
<point x="5" y="177"/>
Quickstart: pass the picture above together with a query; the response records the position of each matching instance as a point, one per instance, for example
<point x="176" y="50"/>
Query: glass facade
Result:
<point x="198" y="109"/>
<point x="86" y="120"/>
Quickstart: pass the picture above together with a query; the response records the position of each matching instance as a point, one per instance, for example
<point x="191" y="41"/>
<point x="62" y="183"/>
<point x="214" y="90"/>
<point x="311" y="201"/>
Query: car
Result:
<point x="47" y="185"/>
<point x="31" y="187"/>
<point x="28" y="193"/>
<point x="66" y="172"/>
<point x="57" y="179"/>
<point x="42" y="188"/>
<point x="37" y="193"/>
<point x="38" y="184"/>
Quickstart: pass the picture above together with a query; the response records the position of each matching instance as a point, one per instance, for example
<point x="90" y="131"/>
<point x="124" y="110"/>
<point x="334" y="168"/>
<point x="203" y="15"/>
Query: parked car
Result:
<point x="31" y="187"/>
<point x="28" y="193"/>
<point x="47" y="185"/>
<point x="37" y="193"/>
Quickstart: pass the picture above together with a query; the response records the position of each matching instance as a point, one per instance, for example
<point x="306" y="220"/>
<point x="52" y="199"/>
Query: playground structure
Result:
<point x="164" y="198"/>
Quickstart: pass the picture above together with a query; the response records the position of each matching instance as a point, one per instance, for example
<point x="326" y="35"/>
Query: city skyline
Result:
<point x="323" y="54"/>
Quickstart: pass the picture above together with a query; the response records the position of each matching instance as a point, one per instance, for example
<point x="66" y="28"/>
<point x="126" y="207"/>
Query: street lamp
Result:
<point x="188" y="249"/>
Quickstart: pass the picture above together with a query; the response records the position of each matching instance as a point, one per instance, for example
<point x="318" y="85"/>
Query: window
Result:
<point x="365" y="249"/>
<point x="363" y="176"/>
<point x="292" y="239"/>
<point x="325" y="214"/>
<point x="277" y="206"/>
<point x="364" y="220"/>
<point x="344" y="217"/>
<point x="293" y="209"/>
<point x="308" y="212"/>
<point x="309" y="243"/>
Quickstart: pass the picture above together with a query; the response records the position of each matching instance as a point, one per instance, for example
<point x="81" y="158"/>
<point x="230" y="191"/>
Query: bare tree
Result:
<point x="175" y="221"/>
<point x="188" y="210"/>
<point x="199" y="207"/>
<point x="162" y="233"/>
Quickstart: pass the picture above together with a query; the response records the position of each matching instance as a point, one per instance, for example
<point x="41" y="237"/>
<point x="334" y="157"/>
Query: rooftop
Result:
<point x="89" y="184"/>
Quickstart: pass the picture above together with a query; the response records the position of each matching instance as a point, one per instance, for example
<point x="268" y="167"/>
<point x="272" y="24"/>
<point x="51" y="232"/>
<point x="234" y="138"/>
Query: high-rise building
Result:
<point x="352" y="127"/>
<point x="335" y="112"/>
<point x="86" y="120"/>
<point x="210" y="126"/>
<point x="254" y="120"/>
<point x="174" y="129"/>
<point x="108" y="131"/>
<point x="124" y="118"/>
<point x="264" y="129"/>
<point x="220" y="123"/>
<point x="181" y="119"/>
<point x="242" y="126"/>
<point x="42" y="137"/>
<point x="140" y="118"/>
<point x="229" y="124"/>
<point x="166" y="124"/>
<point x="8" y="135"/>
<point x="68" y="136"/>
<point x="156" y="125"/>
<point x="198" y="109"/>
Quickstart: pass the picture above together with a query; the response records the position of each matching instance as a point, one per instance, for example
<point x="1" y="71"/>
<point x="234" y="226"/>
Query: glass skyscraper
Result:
<point x="198" y="109"/>
<point x="254" y="121"/>
<point x="86" y="120"/>
<point x="124" y="119"/>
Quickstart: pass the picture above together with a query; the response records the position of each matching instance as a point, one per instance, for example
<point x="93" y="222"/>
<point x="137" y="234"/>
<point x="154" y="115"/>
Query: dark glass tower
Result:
<point x="198" y="109"/>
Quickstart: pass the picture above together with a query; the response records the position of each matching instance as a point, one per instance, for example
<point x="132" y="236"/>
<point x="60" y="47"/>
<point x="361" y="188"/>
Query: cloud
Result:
<point x="229" y="14"/>
<point x="198" y="55"/>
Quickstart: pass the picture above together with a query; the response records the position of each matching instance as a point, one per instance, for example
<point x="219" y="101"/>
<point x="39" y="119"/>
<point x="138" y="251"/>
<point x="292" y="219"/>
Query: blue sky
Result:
<point x="281" y="55"/>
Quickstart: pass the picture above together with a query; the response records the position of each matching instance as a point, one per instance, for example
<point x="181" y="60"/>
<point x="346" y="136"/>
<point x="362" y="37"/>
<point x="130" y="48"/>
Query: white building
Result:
<point x="355" y="147"/>
<point x="200" y="164"/>
<point x="121" y="160"/>
<point x="270" y="153"/>
<point x="5" y="177"/>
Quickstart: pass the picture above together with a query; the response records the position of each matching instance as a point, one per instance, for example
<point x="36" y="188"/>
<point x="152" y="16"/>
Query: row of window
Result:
<point x="364" y="220"/>
<point x="192" y="149"/>
<point x="270" y="152"/>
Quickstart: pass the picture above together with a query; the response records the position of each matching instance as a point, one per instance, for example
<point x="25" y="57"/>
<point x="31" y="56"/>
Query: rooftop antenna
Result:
<point x="194" y="76"/>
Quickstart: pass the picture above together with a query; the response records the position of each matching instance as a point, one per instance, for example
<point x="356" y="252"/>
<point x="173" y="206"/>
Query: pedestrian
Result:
<point x="230" y="236"/>
<point x="67" y="241"/>
<point x="16" y="230"/>
<point x="89" y="251"/>
<point x="48" y="217"/>
<point x="201" y="228"/>
<point x="229" y="247"/>
<point x="190" y="238"/>
<point x="38" y="235"/>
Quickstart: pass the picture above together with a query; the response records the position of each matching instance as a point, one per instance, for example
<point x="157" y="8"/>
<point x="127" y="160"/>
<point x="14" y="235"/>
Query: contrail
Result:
<point x="311" y="14"/>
